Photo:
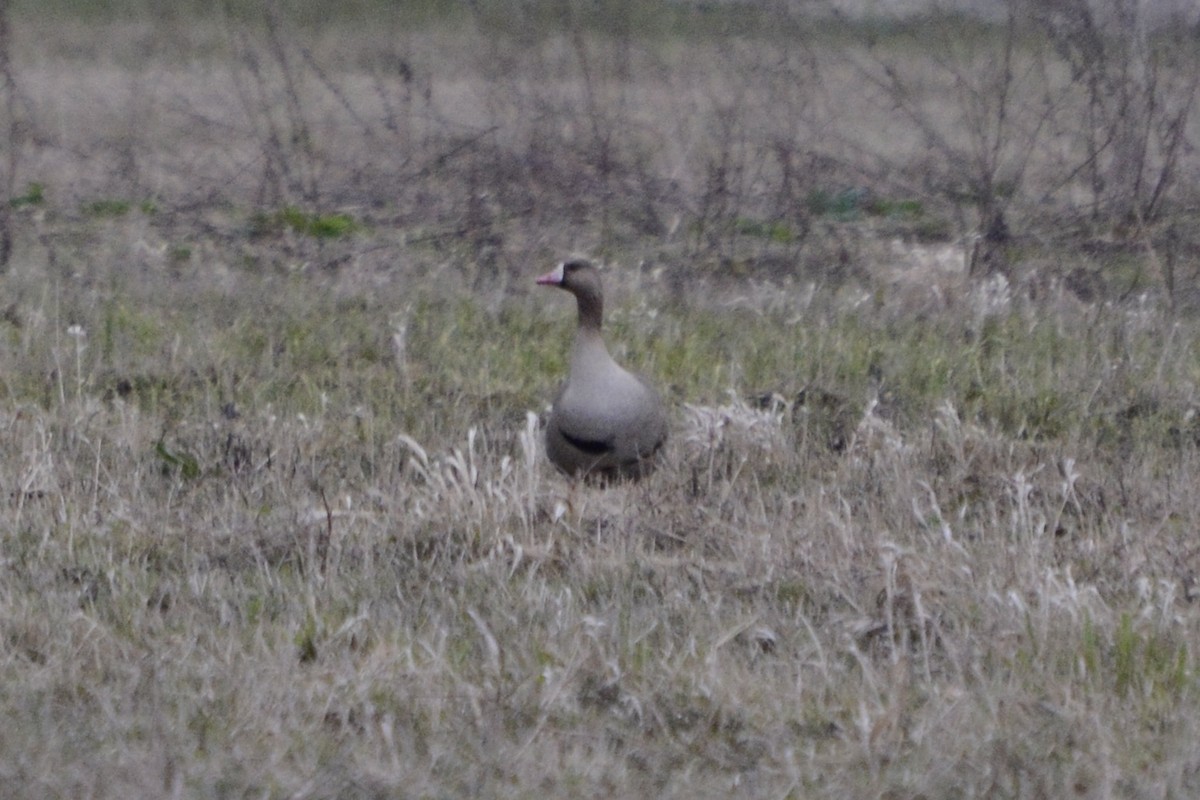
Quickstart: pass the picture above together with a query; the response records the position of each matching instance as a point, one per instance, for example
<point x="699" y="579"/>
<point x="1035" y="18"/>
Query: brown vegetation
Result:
<point x="276" y="519"/>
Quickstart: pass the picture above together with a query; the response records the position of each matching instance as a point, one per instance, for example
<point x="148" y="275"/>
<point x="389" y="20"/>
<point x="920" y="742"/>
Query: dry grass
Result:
<point x="276" y="522"/>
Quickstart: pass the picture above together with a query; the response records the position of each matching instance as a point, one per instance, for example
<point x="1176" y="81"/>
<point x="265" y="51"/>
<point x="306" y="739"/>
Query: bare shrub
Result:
<point x="271" y="100"/>
<point x="750" y="205"/>
<point x="976" y="98"/>
<point x="1137" y="88"/>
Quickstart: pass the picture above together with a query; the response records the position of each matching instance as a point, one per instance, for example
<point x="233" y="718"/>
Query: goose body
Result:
<point x="606" y="422"/>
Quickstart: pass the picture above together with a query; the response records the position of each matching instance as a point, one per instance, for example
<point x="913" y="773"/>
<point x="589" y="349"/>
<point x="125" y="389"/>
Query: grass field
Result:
<point x="275" y="521"/>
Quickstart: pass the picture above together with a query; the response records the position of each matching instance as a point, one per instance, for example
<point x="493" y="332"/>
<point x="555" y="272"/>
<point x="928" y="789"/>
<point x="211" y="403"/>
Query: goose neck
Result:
<point x="591" y="311"/>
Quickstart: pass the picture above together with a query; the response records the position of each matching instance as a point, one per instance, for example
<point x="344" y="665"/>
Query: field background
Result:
<point x="921" y="290"/>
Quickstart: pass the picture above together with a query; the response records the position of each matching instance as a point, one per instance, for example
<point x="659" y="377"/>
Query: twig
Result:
<point x="9" y="101"/>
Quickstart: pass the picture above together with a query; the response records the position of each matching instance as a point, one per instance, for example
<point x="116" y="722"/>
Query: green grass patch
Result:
<point x="177" y="461"/>
<point x="1136" y="661"/>
<point x="770" y="230"/>
<point x="316" y="225"/>
<point x="843" y="204"/>
<point x="127" y="331"/>
<point x="900" y="209"/>
<point x="35" y="195"/>
<point x="107" y="208"/>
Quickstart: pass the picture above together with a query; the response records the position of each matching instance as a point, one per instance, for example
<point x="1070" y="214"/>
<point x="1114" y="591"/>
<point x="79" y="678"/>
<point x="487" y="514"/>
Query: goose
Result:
<point x="606" y="422"/>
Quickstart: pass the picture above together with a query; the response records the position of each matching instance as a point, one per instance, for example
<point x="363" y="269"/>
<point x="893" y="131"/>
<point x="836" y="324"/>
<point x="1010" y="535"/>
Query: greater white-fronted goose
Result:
<point x="606" y="422"/>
